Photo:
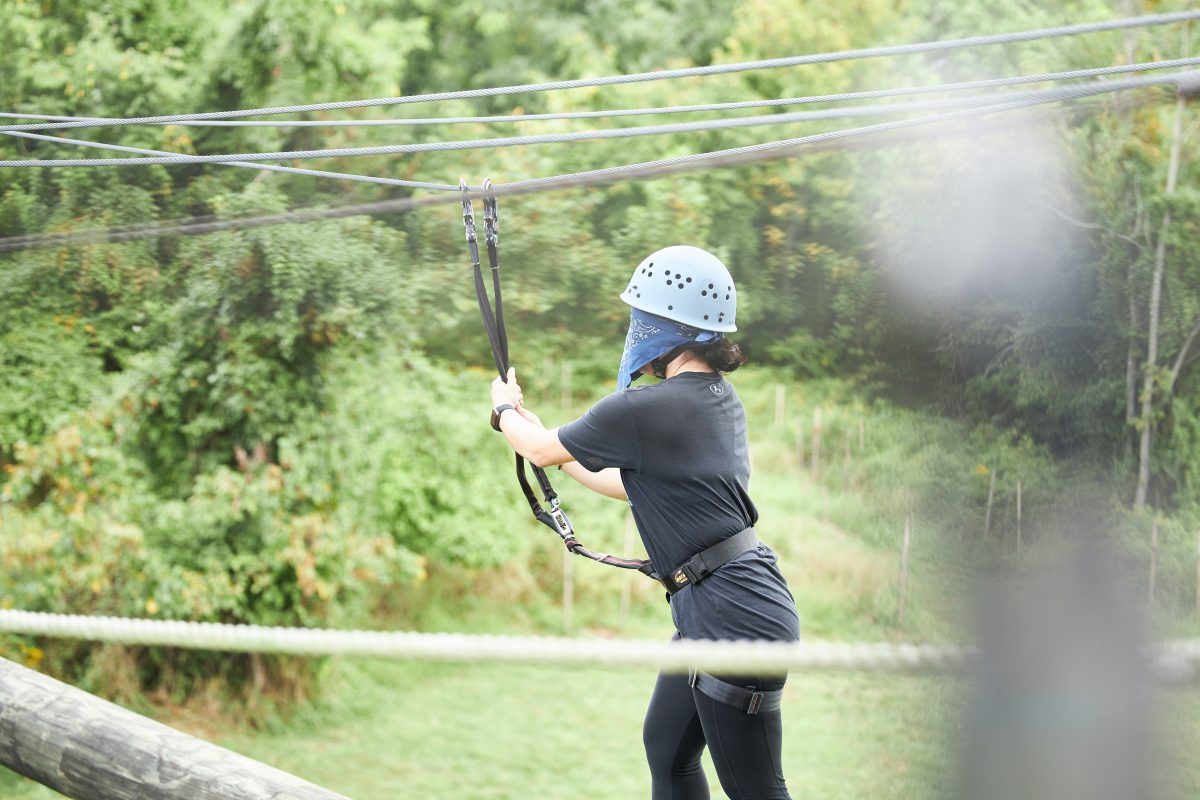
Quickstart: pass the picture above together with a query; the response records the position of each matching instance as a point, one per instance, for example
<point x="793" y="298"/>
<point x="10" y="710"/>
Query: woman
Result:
<point x="677" y="452"/>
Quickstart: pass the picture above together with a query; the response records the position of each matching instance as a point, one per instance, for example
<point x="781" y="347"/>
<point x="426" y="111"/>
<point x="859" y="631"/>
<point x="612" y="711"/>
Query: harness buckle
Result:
<point x="561" y="521"/>
<point x="469" y="220"/>
<point x="754" y="702"/>
<point x="692" y="571"/>
<point x="491" y="217"/>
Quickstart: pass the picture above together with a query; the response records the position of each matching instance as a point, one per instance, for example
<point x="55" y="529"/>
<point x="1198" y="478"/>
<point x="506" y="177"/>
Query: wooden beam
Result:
<point x="90" y="749"/>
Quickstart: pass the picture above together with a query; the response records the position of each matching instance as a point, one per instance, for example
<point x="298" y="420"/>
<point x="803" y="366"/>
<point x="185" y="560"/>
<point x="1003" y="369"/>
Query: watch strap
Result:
<point x="497" y="411"/>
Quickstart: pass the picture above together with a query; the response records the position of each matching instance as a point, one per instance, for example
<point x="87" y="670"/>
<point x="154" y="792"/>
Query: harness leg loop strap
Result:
<point x="746" y="699"/>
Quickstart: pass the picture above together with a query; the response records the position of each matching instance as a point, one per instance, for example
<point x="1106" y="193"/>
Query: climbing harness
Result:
<point x="493" y="322"/>
<point x="748" y="699"/>
<point x="706" y="562"/>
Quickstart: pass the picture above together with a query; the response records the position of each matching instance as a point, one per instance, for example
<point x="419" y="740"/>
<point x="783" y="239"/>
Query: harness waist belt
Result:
<point x="706" y="562"/>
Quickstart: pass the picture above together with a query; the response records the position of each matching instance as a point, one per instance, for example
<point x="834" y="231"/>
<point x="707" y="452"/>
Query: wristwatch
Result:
<point x="497" y="411"/>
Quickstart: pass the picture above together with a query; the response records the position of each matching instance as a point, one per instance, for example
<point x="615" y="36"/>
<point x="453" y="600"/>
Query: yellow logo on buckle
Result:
<point x="680" y="577"/>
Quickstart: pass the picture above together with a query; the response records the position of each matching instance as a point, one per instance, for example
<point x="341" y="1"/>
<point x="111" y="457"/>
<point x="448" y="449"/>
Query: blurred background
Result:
<point x="973" y="349"/>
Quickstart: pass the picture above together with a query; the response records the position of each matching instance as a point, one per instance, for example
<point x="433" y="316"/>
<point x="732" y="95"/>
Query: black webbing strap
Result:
<point x="493" y="323"/>
<point x="747" y="699"/>
<point x="706" y="562"/>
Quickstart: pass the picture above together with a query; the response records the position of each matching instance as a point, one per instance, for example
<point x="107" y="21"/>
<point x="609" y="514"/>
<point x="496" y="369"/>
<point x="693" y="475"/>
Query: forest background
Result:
<point x="282" y="425"/>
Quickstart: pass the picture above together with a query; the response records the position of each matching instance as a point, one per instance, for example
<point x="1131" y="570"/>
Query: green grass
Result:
<point x="454" y="731"/>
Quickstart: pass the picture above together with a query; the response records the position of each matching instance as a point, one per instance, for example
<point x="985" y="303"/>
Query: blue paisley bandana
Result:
<point x="651" y="336"/>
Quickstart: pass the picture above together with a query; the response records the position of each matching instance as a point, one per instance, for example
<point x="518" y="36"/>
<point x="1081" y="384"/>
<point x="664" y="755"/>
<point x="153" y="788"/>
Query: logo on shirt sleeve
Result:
<point x="716" y="389"/>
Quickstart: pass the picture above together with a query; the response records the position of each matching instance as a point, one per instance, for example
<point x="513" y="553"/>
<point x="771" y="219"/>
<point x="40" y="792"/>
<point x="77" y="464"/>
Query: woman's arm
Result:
<point x="606" y="482"/>
<point x="542" y="448"/>
<point x="523" y="430"/>
<point x="539" y="446"/>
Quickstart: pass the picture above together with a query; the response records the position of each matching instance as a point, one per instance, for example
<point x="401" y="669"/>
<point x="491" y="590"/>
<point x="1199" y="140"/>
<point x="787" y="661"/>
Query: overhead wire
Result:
<point x="986" y="83"/>
<point x="574" y="136"/>
<point x="314" y="173"/>
<point x="727" y="157"/>
<point x="713" y="69"/>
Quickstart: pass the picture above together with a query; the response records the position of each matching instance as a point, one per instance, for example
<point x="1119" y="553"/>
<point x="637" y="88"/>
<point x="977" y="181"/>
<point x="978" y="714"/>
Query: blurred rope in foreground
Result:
<point x="1174" y="662"/>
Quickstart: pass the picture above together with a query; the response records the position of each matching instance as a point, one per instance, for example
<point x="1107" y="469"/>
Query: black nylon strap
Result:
<point x="706" y="562"/>
<point x="493" y="323"/>
<point x="747" y="699"/>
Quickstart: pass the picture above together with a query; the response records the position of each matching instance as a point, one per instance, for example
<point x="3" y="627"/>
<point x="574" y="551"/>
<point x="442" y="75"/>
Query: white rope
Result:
<point x="715" y="69"/>
<point x="1023" y="98"/>
<point x="714" y="656"/>
<point x="661" y="110"/>
<point x="1173" y="661"/>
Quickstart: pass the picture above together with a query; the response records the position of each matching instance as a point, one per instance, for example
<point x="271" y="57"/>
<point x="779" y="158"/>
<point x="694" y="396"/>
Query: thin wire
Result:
<point x="720" y="158"/>
<point x="987" y="83"/>
<point x="715" y="69"/>
<point x="578" y="136"/>
<point x="315" y="173"/>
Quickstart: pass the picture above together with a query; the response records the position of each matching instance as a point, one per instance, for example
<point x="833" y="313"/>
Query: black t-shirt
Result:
<point x="681" y="448"/>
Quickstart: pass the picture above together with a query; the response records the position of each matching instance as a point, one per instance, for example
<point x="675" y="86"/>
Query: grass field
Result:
<point x="387" y="729"/>
<point x="383" y="730"/>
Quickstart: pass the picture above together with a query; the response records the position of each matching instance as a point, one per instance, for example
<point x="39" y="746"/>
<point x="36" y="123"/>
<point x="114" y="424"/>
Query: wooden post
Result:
<point x="91" y="749"/>
<point x="816" y="443"/>
<point x="1153" y="557"/>
<point x="564" y="399"/>
<point x="568" y="592"/>
<point x="904" y="570"/>
<point x="547" y="371"/>
<point x="627" y="585"/>
<point x="1019" y="543"/>
<point x="987" y="520"/>
<point x="846" y="477"/>
<point x="780" y="391"/>
<point x="800" y="442"/>
<point x="1198" y="573"/>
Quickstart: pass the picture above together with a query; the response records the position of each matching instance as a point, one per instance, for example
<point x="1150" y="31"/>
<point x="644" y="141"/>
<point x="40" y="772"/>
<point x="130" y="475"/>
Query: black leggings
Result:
<point x="745" y="747"/>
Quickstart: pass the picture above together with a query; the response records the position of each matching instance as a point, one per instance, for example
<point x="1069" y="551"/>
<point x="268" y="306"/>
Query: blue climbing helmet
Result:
<point x="685" y="284"/>
<point x="680" y="295"/>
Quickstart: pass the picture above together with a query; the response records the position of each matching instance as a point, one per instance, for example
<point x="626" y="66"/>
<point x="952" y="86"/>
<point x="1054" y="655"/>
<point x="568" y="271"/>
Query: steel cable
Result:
<point x="733" y="156"/>
<point x="987" y="83"/>
<point x="714" y="69"/>
<point x="1048" y="95"/>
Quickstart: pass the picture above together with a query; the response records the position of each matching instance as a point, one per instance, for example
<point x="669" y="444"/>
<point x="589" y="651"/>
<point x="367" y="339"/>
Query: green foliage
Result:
<point x="279" y="424"/>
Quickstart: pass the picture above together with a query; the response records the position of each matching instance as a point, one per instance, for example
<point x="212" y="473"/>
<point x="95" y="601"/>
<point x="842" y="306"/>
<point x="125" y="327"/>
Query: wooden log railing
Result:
<point x="90" y="749"/>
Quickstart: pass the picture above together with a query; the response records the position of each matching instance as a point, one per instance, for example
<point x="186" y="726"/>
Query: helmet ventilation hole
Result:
<point x="670" y="308"/>
<point x="704" y="292"/>
<point x="668" y="281"/>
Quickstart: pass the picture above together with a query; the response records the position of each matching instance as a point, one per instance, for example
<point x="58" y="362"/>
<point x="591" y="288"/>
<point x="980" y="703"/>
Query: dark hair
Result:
<point x="721" y="354"/>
